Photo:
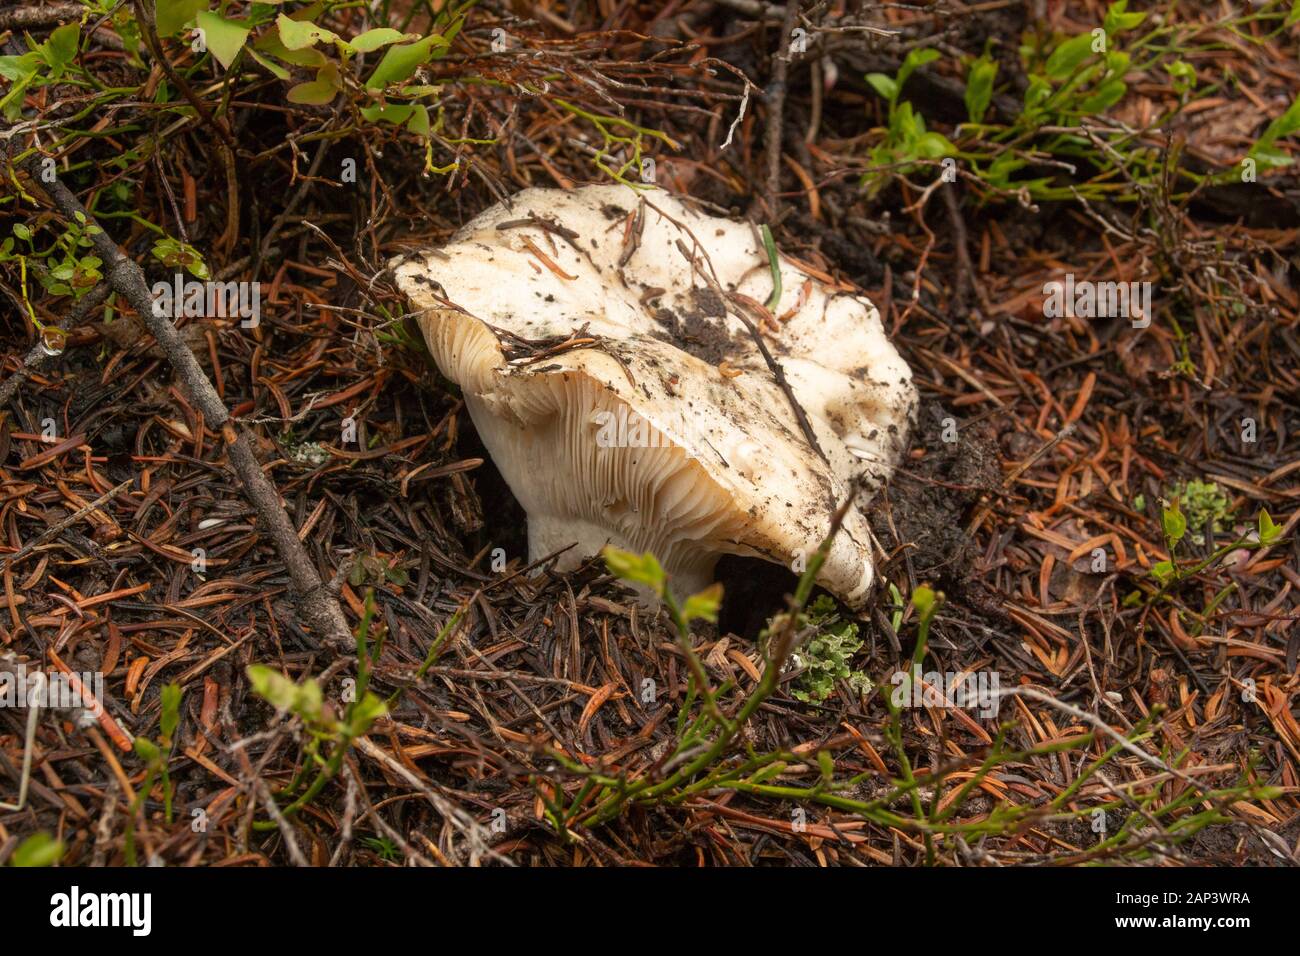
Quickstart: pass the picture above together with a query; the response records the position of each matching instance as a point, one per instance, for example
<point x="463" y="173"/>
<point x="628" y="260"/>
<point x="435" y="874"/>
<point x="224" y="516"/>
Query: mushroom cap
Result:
<point x="596" y="336"/>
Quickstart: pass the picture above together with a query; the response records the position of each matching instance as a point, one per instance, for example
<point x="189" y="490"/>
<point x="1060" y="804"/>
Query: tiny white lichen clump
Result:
<point x="604" y="340"/>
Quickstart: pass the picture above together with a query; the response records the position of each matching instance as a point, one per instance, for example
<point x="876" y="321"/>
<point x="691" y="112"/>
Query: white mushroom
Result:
<point x="605" y="343"/>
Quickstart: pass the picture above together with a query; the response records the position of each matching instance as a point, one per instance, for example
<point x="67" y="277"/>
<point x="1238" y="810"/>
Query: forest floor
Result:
<point x="1108" y="505"/>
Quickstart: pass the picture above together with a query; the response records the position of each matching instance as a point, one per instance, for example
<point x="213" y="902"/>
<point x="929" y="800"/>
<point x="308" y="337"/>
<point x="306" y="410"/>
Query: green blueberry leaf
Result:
<point x="225" y="38"/>
<point x="1065" y="59"/>
<point x="401" y="61"/>
<point x="379" y="37"/>
<point x="39" y="849"/>
<point x="172" y="15"/>
<point x="300" y="34"/>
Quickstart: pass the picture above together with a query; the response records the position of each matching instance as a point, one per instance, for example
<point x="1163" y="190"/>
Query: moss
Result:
<point x="825" y="657"/>
<point x="1204" y="502"/>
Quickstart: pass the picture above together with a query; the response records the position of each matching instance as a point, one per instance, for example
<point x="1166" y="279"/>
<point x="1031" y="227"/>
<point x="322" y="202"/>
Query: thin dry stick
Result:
<point x="286" y="831"/>
<point x="776" y="109"/>
<point x="30" y="18"/>
<point x="1101" y="725"/>
<point x="317" y="607"/>
<point x="349" y="815"/>
<point x="62" y="525"/>
<point x="966" y="282"/>
<point x="29" y="744"/>
<point x="473" y="831"/>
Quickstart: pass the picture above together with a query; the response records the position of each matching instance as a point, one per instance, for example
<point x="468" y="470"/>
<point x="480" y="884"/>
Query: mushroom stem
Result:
<point x="548" y="534"/>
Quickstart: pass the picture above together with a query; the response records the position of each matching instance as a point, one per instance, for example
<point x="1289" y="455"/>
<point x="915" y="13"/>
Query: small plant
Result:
<point x="1173" y="524"/>
<point x="825" y="657"/>
<point x="700" y="762"/>
<point x="42" y="64"/>
<point x="1069" y="80"/>
<point x="1205" y="504"/>
<point x="383" y="847"/>
<point x="179" y="255"/>
<point x="67" y="267"/>
<point x="155" y="757"/>
<point x="906" y="141"/>
<point x="39" y="849"/>
<point x="330" y="736"/>
<point x="374" y="569"/>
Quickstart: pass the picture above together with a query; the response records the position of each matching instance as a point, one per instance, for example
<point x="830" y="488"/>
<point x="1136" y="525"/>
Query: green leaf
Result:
<point x="395" y="113"/>
<point x="1163" y="571"/>
<point x="1105" y="96"/>
<point x="14" y="68"/>
<point x="915" y="60"/>
<point x="22" y="232"/>
<point x="269" y="44"/>
<point x="173" y="252"/>
<point x="39" y="849"/>
<point x="275" y="69"/>
<point x="1284" y="125"/>
<point x="979" y="88"/>
<point x="883" y="85"/>
<point x="1294" y="15"/>
<point x="704" y="605"/>
<point x="1036" y="92"/>
<point x="128" y="28"/>
<point x="364" y="713"/>
<point x="300" y="34"/>
<point x="21" y="70"/>
<point x="379" y="37"/>
<point x="171" y="711"/>
<point x="1183" y="74"/>
<point x="303" y="699"/>
<point x="905" y="124"/>
<point x="924" y="600"/>
<point x="451" y="32"/>
<point x="1000" y="169"/>
<point x="400" y="62"/>
<point x="224" y="38"/>
<point x="319" y="91"/>
<point x="147" y="750"/>
<point x="419" y="121"/>
<point x="61" y="48"/>
<point x="1268" y="531"/>
<point x="172" y="15"/>
<point x="639" y="568"/>
<point x="1173" y="523"/>
<point x="1268" y="157"/>
<point x="310" y="704"/>
<point x="1066" y="58"/>
<point x="12" y="104"/>
<point x="932" y="146"/>
<point x="1118" y="20"/>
